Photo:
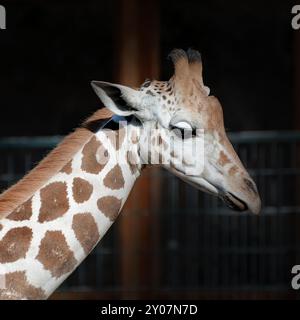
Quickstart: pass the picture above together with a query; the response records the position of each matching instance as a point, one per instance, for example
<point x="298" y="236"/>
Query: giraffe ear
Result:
<point x="121" y="100"/>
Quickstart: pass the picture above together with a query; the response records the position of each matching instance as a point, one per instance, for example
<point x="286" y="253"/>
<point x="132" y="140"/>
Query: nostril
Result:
<point x="251" y="185"/>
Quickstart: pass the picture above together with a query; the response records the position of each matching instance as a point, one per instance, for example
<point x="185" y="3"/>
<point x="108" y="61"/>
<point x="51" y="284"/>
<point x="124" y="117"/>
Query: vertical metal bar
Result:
<point x="275" y="255"/>
<point x="173" y="244"/>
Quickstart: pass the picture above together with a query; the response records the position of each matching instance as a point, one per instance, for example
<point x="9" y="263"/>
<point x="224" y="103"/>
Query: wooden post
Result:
<point x="137" y="57"/>
<point x="137" y="41"/>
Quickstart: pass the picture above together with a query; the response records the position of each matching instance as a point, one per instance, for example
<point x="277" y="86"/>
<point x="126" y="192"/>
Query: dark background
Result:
<point x="51" y="51"/>
<point x="171" y="241"/>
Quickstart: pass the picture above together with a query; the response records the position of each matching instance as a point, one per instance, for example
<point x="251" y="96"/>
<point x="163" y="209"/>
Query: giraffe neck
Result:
<point x="48" y="236"/>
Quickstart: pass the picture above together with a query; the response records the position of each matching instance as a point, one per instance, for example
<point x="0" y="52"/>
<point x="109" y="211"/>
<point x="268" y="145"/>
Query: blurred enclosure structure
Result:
<point x="170" y="241"/>
<point x="181" y="243"/>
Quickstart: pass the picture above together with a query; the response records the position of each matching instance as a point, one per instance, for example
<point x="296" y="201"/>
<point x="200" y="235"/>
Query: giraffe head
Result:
<point x="182" y="128"/>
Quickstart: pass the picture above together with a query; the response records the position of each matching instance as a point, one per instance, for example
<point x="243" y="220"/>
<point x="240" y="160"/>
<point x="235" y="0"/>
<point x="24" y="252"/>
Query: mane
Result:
<point x="49" y="166"/>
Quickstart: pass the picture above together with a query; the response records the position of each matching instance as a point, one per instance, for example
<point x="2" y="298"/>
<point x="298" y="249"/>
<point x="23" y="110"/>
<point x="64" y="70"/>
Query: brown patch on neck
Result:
<point x="132" y="162"/>
<point x="15" y="244"/>
<point x="55" y="254"/>
<point x="23" y="212"/>
<point x="114" y="178"/>
<point x="49" y="166"/>
<point x="67" y="168"/>
<point x="110" y="206"/>
<point x="54" y="201"/>
<point x="82" y="190"/>
<point x="86" y="231"/>
<point x="18" y="287"/>
<point x="89" y="162"/>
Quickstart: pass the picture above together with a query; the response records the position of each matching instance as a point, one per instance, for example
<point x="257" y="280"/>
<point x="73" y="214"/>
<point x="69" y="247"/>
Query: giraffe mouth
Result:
<point x="234" y="202"/>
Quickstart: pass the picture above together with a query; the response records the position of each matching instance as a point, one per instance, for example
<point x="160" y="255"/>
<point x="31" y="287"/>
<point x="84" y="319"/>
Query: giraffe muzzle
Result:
<point x="234" y="202"/>
<point x="242" y="196"/>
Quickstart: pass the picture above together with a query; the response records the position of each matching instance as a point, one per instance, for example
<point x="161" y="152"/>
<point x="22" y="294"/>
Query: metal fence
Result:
<point x="198" y="248"/>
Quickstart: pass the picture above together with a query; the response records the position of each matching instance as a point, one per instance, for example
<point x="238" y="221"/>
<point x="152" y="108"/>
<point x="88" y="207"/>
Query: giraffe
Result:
<point x="54" y="217"/>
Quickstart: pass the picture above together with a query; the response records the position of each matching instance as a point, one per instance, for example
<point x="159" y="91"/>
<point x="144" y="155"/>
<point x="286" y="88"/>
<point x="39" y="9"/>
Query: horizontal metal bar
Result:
<point x="222" y="210"/>
<point x="264" y="136"/>
<point x="30" y="142"/>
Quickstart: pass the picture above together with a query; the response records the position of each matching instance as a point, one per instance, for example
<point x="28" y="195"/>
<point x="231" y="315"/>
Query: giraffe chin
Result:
<point x="234" y="202"/>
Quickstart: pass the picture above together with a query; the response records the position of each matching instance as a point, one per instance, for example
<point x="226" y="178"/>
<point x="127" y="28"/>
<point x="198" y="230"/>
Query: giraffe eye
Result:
<point x="183" y="130"/>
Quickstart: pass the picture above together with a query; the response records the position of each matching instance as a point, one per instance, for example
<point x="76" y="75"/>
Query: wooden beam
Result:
<point x="137" y="41"/>
<point x="137" y="56"/>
